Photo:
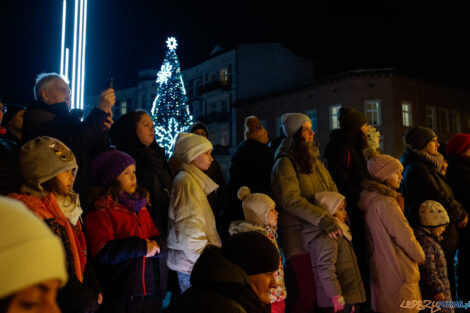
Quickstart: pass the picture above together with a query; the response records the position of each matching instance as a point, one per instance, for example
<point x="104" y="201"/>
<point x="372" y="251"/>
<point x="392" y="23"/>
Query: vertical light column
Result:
<point x="76" y="75"/>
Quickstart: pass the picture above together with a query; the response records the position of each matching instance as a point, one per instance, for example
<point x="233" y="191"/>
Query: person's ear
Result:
<point x="44" y="94"/>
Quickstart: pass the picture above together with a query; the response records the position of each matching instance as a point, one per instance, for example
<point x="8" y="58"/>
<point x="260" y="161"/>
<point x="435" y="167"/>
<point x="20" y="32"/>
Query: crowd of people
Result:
<point x="96" y="218"/>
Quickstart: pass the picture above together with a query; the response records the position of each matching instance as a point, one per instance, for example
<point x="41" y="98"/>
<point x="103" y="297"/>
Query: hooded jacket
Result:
<point x="294" y="193"/>
<point x="191" y="223"/>
<point x="394" y="250"/>
<point x="86" y="139"/>
<point x="420" y="183"/>
<point x="218" y="285"/>
<point x="152" y="170"/>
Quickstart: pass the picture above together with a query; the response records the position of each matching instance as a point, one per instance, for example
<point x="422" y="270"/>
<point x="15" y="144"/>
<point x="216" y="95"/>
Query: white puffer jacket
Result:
<point x="191" y="223"/>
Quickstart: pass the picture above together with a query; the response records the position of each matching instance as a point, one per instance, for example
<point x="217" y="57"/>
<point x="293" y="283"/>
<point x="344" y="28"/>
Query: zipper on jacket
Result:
<point x="143" y="277"/>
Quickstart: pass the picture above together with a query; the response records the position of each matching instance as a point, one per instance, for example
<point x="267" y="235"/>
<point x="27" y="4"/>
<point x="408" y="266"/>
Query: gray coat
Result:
<point x="294" y="193"/>
<point x="335" y="267"/>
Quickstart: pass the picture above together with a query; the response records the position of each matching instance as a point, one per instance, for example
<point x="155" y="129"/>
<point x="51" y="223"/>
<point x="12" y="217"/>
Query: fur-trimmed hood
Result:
<point x="372" y="185"/>
<point x="237" y="227"/>
<point x="372" y="189"/>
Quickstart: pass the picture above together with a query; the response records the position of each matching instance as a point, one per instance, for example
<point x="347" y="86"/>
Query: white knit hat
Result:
<point x="43" y="158"/>
<point x="291" y="123"/>
<point x="30" y="252"/>
<point x="255" y="206"/>
<point x="329" y="200"/>
<point x="189" y="146"/>
<point x="432" y="214"/>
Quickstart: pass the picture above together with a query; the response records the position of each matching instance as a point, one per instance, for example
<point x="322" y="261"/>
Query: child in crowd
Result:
<point x="261" y="215"/>
<point x="394" y="251"/>
<point x="191" y="225"/>
<point x="434" y="282"/>
<point x="121" y="233"/>
<point x="49" y="168"/>
<point x="338" y="284"/>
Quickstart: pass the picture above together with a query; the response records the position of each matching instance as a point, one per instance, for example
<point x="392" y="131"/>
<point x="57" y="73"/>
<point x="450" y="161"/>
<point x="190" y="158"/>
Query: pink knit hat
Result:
<point x="383" y="166"/>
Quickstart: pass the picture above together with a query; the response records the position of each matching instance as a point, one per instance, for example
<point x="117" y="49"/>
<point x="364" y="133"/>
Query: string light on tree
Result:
<point x="170" y="111"/>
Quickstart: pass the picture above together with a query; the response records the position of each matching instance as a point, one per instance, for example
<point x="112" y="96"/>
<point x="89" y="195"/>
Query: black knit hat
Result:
<point x="253" y="252"/>
<point x="12" y="109"/>
<point x="419" y="136"/>
<point x="351" y="119"/>
<point x="198" y="125"/>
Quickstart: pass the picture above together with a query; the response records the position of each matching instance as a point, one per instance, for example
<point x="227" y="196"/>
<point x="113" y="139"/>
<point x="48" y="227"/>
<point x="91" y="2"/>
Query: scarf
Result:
<point x="345" y="229"/>
<point x="134" y="202"/>
<point x="435" y="161"/>
<point x="70" y="206"/>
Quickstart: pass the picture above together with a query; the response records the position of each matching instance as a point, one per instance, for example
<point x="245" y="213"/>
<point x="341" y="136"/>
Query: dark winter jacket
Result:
<point x="218" y="285"/>
<point x="251" y="166"/>
<point x="116" y="239"/>
<point x="458" y="177"/>
<point x="11" y="177"/>
<point x="347" y="165"/>
<point x="86" y="139"/>
<point x="152" y="170"/>
<point x="434" y="278"/>
<point x="420" y="183"/>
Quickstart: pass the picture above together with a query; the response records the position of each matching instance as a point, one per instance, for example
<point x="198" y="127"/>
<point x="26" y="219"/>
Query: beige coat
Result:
<point x="294" y="193"/>
<point x="395" y="252"/>
<point x="191" y="223"/>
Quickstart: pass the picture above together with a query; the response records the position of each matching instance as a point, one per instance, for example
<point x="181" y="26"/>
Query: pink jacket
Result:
<point x="395" y="252"/>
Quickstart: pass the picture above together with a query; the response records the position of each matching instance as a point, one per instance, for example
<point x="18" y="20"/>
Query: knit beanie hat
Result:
<point x="432" y="214"/>
<point x="351" y="119"/>
<point x="252" y="251"/>
<point x="458" y="144"/>
<point x="255" y="205"/>
<point x="12" y="109"/>
<point x="108" y="165"/>
<point x="419" y="136"/>
<point x="292" y="122"/>
<point x="30" y="252"/>
<point x="198" y="125"/>
<point x="189" y="146"/>
<point x="43" y="158"/>
<point x="382" y="166"/>
<point x="329" y="200"/>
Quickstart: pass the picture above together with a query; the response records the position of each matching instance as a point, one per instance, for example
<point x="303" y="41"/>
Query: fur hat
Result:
<point x="255" y="205"/>
<point x="458" y="144"/>
<point x="253" y="252"/>
<point x="30" y="252"/>
<point x="381" y="166"/>
<point x="189" y="146"/>
<point x="292" y="122"/>
<point x="329" y="200"/>
<point x="43" y="158"/>
<point x="108" y="165"/>
<point x="432" y="214"/>
<point x="418" y="137"/>
<point x="351" y="119"/>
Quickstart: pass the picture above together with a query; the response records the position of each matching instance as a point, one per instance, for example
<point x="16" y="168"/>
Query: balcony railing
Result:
<point x="214" y="85"/>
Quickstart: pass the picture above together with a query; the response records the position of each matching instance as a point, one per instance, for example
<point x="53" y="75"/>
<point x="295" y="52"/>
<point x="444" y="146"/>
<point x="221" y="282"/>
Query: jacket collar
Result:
<point x="60" y="109"/>
<point x="207" y="184"/>
<point x="371" y="185"/>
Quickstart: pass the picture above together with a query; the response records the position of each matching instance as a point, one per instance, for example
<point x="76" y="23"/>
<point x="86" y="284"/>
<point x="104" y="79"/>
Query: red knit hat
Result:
<point x="458" y="144"/>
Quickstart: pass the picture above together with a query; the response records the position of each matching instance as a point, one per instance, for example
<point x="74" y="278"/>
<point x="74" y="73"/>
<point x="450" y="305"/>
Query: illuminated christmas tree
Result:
<point x="170" y="111"/>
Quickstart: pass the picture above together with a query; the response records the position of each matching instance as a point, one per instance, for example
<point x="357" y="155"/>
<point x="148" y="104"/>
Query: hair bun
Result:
<point x="243" y="192"/>
<point x="370" y="153"/>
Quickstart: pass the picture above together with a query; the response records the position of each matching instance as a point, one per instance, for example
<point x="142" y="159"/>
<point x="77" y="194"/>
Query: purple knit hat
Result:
<point x="107" y="166"/>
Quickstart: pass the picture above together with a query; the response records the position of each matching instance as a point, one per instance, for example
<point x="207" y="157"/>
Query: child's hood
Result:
<point x="237" y="227"/>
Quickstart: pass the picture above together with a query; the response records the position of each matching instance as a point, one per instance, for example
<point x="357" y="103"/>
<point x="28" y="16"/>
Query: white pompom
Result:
<point x="243" y="192"/>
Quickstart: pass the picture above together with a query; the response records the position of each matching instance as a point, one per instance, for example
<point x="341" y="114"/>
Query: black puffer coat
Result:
<point x="420" y="183"/>
<point x="218" y="285"/>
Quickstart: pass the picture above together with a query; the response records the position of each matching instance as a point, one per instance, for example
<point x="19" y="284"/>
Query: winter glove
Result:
<point x="329" y="226"/>
<point x="338" y="302"/>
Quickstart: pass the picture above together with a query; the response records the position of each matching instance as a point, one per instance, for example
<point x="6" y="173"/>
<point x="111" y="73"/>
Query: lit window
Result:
<point x="123" y="107"/>
<point x="406" y="114"/>
<point x="456" y="121"/>
<point x="312" y="114"/>
<point x="224" y="76"/>
<point x="372" y="108"/>
<point x="430" y="117"/>
<point x="334" y="114"/>
<point x="444" y="120"/>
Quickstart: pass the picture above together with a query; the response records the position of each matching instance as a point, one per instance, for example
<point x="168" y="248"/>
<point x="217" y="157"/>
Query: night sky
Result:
<point x="126" y="36"/>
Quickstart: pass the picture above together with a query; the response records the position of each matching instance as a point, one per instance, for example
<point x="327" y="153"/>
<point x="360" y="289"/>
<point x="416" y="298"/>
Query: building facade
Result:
<point x="392" y="102"/>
